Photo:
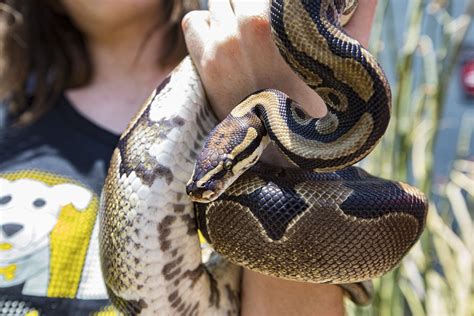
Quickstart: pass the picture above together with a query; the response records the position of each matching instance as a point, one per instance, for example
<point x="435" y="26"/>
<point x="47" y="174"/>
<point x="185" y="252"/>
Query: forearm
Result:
<point x="263" y="295"/>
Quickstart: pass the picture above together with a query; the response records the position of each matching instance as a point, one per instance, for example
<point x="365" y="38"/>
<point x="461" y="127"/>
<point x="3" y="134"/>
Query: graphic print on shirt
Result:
<point x="46" y="224"/>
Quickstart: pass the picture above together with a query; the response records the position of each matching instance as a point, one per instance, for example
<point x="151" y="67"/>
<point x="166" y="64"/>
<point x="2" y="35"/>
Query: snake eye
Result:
<point x="228" y="163"/>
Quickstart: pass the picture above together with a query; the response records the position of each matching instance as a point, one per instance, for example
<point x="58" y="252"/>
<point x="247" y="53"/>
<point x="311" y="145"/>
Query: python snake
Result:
<point x="337" y="225"/>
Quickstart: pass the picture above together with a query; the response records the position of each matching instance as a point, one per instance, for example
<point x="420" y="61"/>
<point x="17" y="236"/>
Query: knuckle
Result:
<point x="255" y="24"/>
<point x="186" y="22"/>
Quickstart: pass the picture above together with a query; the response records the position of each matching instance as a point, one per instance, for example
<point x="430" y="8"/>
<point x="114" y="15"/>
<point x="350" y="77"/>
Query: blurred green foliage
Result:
<point x="436" y="278"/>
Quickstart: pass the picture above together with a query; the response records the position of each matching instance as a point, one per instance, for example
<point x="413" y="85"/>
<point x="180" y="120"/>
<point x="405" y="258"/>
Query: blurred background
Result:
<point x="427" y="49"/>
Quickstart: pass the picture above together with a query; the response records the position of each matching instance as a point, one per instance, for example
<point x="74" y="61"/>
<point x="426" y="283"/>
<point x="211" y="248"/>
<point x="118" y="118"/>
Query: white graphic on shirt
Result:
<point x="29" y="210"/>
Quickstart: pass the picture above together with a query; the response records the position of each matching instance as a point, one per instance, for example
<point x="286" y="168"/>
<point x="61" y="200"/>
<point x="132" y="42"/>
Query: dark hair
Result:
<point x="42" y="52"/>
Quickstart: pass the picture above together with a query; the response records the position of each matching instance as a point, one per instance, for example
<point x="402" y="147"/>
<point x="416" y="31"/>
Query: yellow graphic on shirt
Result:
<point x="32" y="313"/>
<point x="69" y="244"/>
<point x="107" y="311"/>
<point x="48" y="217"/>
<point x="5" y="246"/>
<point x="8" y="272"/>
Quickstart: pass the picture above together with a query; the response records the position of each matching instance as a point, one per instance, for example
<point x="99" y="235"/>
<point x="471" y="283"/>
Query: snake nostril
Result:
<point x="11" y="229"/>
<point x="190" y="188"/>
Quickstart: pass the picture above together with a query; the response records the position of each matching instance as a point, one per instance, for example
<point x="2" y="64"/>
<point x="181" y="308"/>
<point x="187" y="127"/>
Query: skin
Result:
<point x="125" y="70"/>
<point x="233" y="51"/>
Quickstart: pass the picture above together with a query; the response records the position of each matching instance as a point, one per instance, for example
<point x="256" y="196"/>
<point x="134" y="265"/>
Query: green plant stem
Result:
<point x="456" y="41"/>
<point x="403" y="93"/>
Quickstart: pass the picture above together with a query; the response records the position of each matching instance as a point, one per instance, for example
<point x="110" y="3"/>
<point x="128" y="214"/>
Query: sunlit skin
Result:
<point x="233" y="51"/>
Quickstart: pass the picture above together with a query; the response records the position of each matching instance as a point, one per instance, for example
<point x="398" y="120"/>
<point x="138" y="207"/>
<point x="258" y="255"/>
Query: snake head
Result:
<point x="229" y="151"/>
<point x="211" y="177"/>
<point x="213" y="174"/>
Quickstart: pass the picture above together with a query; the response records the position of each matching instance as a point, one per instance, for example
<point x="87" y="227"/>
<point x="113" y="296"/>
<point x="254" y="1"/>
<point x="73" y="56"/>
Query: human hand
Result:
<point x="233" y="50"/>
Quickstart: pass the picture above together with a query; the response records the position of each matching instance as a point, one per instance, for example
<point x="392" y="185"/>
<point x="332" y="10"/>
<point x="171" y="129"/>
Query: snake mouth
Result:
<point x="200" y="194"/>
<point x="203" y="197"/>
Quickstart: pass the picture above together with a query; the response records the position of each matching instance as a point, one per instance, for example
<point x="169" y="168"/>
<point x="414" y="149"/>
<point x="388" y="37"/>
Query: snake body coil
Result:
<point x="334" y="227"/>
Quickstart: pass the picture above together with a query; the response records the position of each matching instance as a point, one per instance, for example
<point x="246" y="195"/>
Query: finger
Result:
<point x="196" y="30"/>
<point x="222" y="13"/>
<point x="360" y="24"/>
<point x="251" y="8"/>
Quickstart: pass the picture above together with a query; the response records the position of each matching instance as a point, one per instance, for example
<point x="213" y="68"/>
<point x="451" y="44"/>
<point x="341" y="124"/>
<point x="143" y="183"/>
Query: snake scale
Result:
<point x="332" y="223"/>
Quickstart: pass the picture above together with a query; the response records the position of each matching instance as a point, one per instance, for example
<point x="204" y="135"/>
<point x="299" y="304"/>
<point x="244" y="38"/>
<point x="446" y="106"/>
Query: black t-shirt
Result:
<point x="51" y="175"/>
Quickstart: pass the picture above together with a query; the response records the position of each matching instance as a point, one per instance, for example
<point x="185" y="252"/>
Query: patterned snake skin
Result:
<point x="339" y="226"/>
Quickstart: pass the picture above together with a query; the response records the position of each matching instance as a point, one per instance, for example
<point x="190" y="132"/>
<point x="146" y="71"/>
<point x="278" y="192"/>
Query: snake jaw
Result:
<point x="206" y="196"/>
<point x="204" y="192"/>
<point x="198" y="194"/>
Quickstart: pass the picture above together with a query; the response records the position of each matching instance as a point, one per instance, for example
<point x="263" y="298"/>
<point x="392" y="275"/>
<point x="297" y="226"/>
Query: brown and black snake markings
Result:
<point x="322" y="221"/>
<point x="303" y="216"/>
<point x="355" y="100"/>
